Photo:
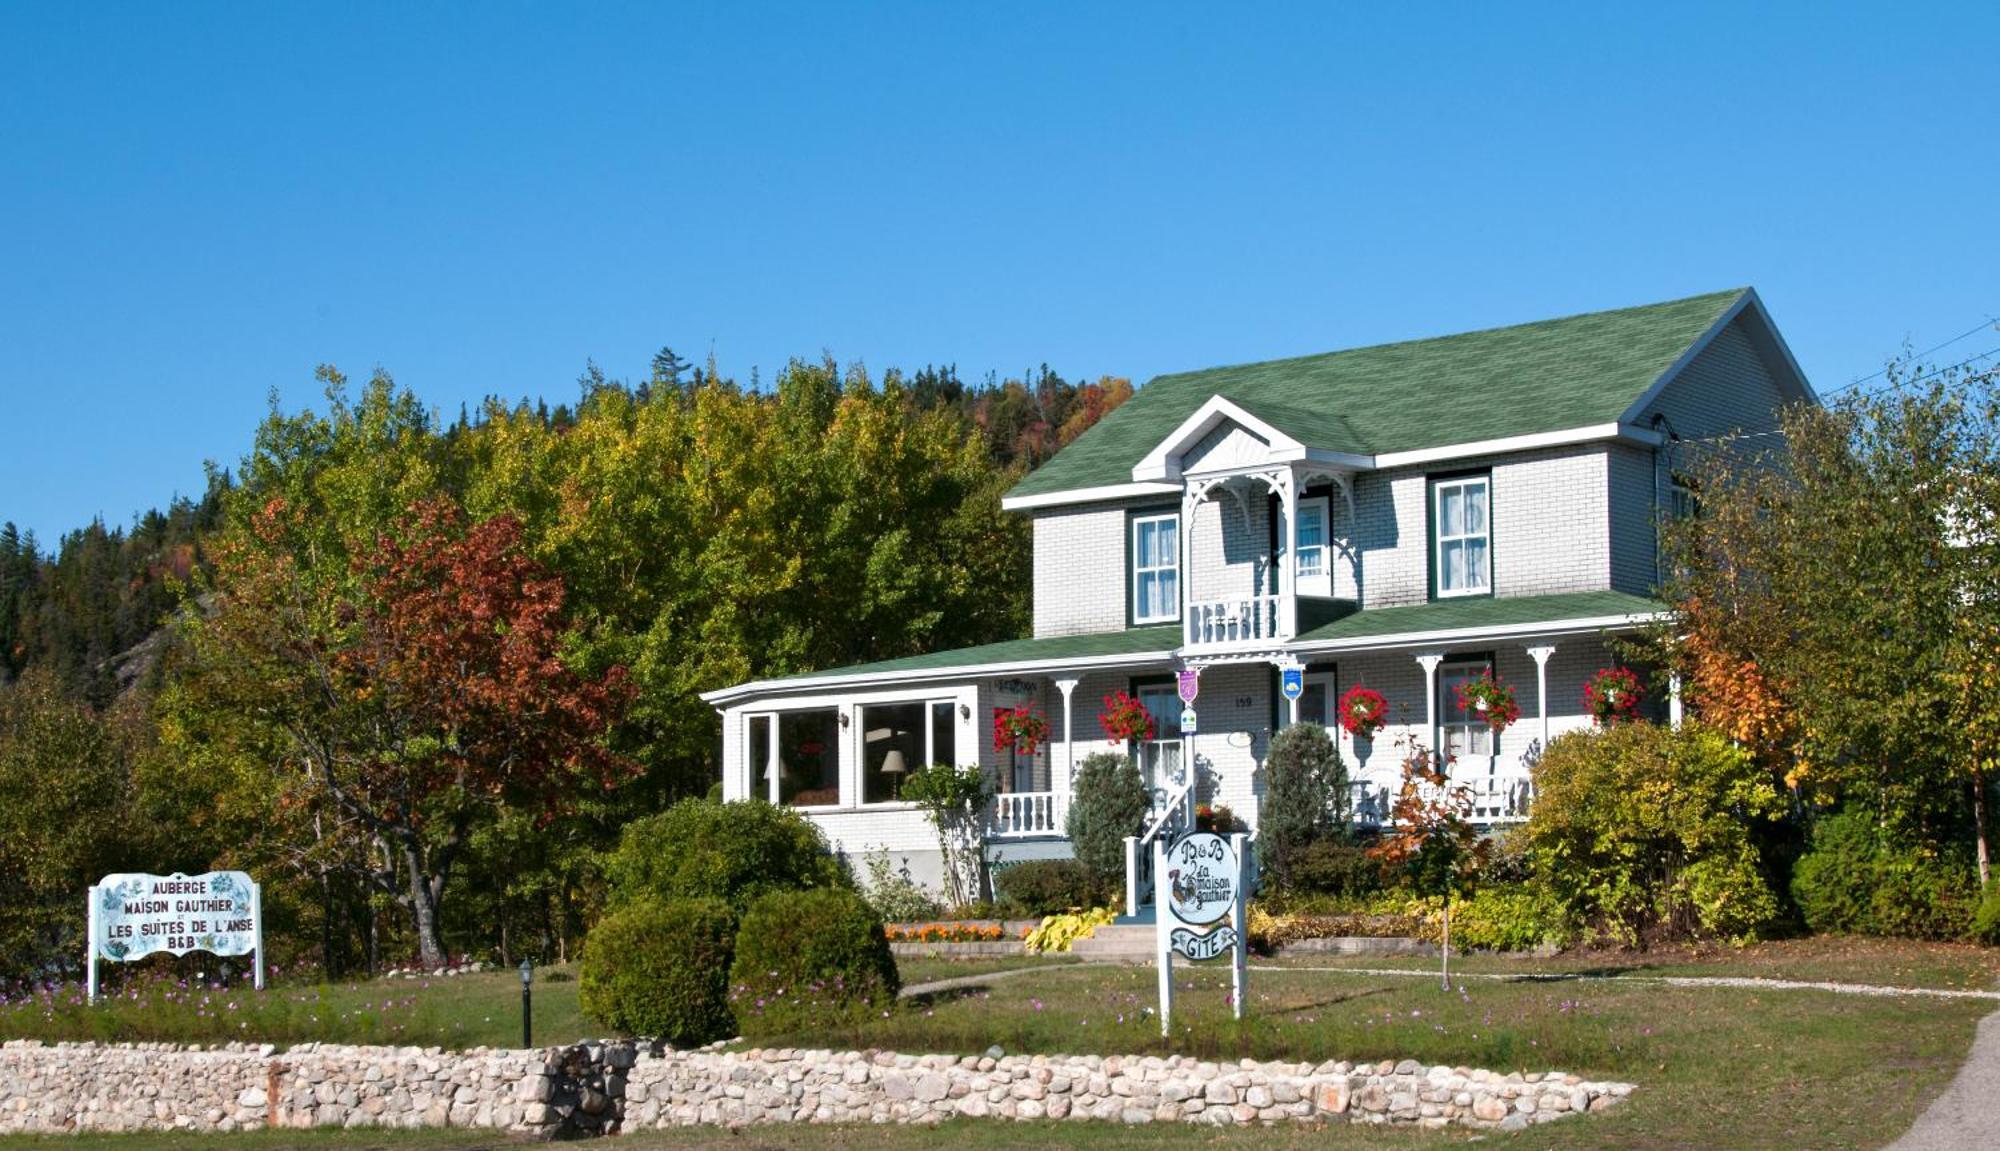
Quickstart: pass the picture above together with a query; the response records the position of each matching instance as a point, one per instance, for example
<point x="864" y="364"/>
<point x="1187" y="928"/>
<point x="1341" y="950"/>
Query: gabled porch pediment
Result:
<point x="1220" y="436"/>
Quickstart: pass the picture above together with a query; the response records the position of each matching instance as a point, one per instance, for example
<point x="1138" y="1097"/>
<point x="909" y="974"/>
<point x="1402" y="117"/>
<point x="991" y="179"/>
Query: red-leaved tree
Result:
<point x="416" y="693"/>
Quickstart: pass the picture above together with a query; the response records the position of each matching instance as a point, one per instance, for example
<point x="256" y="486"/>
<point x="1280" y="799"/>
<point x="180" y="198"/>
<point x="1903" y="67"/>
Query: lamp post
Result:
<point x="527" y="1003"/>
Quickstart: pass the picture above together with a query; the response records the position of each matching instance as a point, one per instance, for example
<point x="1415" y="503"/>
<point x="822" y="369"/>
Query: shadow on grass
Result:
<point x="944" y="995"/>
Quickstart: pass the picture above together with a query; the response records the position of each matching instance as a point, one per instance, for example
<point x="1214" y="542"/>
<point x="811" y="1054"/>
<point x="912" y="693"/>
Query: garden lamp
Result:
<point x="527" y="1005"/>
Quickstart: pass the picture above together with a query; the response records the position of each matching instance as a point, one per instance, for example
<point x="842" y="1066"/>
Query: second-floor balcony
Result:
<point x="1245" y="621"/>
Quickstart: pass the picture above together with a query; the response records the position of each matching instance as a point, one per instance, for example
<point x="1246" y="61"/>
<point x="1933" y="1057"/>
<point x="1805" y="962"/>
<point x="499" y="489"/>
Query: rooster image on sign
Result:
<point x="1201" y="878"/>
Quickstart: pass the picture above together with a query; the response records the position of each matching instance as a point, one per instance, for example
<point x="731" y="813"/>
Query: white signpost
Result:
<point x="133" y="916"/>
<point x="1197" y="883"/>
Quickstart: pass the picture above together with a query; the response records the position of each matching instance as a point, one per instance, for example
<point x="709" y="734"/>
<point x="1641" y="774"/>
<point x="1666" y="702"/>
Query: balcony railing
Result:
<point x="1236" y="621"/>
<point x="1023" y="813"/>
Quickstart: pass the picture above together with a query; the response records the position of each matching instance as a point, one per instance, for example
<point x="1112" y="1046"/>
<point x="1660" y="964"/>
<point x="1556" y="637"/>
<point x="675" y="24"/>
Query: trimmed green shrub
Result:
<point x="1047" y="887"/>
<point x="1642" y="832"/>
<point x="1854" y="880"/>
<point x="1108" y="803"/>
<point x="810" y="959"/>
<point x="1504" y="918"/>
<point x="1329" y="867"/>
<point x="1305" y="799"/>
<point x="661" y="970"/>
<point x="1986" y="921"/>
<point x="728" y="851"/>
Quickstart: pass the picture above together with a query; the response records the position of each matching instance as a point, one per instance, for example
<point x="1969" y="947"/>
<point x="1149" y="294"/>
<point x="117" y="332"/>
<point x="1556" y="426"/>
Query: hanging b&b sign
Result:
<point x="1198" y="881"/>
<point x="135" y="915"/>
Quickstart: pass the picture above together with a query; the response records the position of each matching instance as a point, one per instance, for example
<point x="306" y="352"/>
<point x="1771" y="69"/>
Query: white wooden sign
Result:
<point x="134" y="915"/>
<point x="1198" y="880"/>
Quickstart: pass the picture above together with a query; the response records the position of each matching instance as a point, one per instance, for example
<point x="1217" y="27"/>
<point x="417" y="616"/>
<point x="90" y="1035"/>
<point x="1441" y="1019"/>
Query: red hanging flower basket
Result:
<point x="1020" y="729"/>
<point x="1125" y="719"/>
<point x="1491" y="699"/>
<point x="1362" y="711"/>
<point x="1613" y="694"/>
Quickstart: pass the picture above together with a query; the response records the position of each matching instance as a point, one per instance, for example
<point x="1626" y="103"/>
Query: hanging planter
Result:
<point x="1362" y="711"/>
<point x="1491" y="699"/>
<point x="1019" y="729"/>
<point x="1612" y="695"/>
<point x="1125" y="719"/>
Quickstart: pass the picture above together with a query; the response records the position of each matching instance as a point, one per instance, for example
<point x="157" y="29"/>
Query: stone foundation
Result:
<point x="605" y="1087"/>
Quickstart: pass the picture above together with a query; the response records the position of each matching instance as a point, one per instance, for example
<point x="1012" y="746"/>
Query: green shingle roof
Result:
<point x="1131" y="641"/>
<point x="1163" y="641"/>
<point x="1481" y="612"/>
<point x="1551" y="375"/>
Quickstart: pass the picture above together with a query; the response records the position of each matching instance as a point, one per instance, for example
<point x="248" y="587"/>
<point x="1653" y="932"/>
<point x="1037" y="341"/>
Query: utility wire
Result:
<point x="1983" y="325"/>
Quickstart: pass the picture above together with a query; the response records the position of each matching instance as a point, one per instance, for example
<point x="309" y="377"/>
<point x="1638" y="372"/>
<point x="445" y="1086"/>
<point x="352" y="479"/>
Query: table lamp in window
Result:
<point x="894" y="768"/>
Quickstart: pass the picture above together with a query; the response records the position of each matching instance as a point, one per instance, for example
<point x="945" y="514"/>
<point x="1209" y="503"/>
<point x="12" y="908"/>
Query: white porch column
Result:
<point x="1430" y="660"/>
<point x="1288" y="604"/>
<point x="1674" y="701"/>
<point x="1541" y="654"/>
<point x="1191" y="497"/>
<point x="1066" y="686"/>
<point x="770" y="752"/>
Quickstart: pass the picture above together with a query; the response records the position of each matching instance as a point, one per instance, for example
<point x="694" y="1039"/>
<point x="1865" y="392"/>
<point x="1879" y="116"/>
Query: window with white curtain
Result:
<point x="1156" y="594"/>
<point x="1463" y="531"/>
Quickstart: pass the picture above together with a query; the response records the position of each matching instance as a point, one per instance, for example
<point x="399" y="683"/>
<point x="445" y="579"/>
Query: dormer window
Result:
<point x="1155" y="565"/>
<point x="1462" y="536"/>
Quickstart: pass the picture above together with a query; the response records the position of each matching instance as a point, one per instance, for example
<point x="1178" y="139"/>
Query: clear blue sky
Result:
<point x="198" y="203"/>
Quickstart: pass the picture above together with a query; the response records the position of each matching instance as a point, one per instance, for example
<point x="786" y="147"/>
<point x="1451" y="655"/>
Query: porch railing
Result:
<point x="1238" y="620"/>
<point x="1019" y="813"/>
<point x="1502" y="795"/>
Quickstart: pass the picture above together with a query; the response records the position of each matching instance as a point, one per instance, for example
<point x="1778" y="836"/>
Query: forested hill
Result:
<point x="98" y="596"/>
<point x="100" y="592"/>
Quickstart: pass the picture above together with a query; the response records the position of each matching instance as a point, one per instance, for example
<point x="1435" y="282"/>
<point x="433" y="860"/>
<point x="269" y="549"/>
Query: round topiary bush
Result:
<point x="661" y="970"/>
<point x="728" y="851"/>
<point x="810" y="959"/>
<point x="1108" y="803"/>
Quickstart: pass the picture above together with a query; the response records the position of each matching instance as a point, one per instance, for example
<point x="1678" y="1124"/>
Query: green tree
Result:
<point x="65" y="821"/>
<point x="1852" y="575"/>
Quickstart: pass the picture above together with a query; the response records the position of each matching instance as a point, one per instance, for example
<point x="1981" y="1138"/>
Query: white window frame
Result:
<point x="1439" y="539"/>
<point x="930" y="705"/>
<point x="1171" y="567"/>
<point x="1470" y="727"/>
<point x="1310" y="583"/>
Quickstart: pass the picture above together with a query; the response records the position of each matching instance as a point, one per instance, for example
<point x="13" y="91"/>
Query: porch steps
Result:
<point x="1122" y="942"/>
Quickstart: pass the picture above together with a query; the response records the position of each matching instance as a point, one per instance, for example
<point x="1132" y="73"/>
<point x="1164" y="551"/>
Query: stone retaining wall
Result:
<point x="601" y="1088"/>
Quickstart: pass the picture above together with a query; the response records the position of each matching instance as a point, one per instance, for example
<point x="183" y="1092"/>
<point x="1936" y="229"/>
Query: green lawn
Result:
<point x="461" y="1011"/>
<point x="927" y="969"/>
<point x="1833" y="959"/>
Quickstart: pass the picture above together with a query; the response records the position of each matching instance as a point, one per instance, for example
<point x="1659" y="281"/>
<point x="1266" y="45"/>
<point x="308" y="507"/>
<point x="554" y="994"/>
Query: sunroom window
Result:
<point x="1156" y="595"/>
<point x="899" y="738"/>
<point x="1464" y="553"/>
<point x="802" y="767"/>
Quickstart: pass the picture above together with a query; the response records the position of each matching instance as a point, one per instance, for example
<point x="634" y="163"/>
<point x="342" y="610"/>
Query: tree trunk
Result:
<point x="1979" y="827"/>
<point x="423" y="914"/>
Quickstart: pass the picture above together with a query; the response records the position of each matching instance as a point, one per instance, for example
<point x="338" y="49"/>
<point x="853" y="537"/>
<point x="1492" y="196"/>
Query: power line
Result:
<point x="1982" y="326"/>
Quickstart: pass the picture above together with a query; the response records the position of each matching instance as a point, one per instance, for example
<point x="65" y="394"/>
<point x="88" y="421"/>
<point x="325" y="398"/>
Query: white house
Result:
<point x="1402" y="516"/>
